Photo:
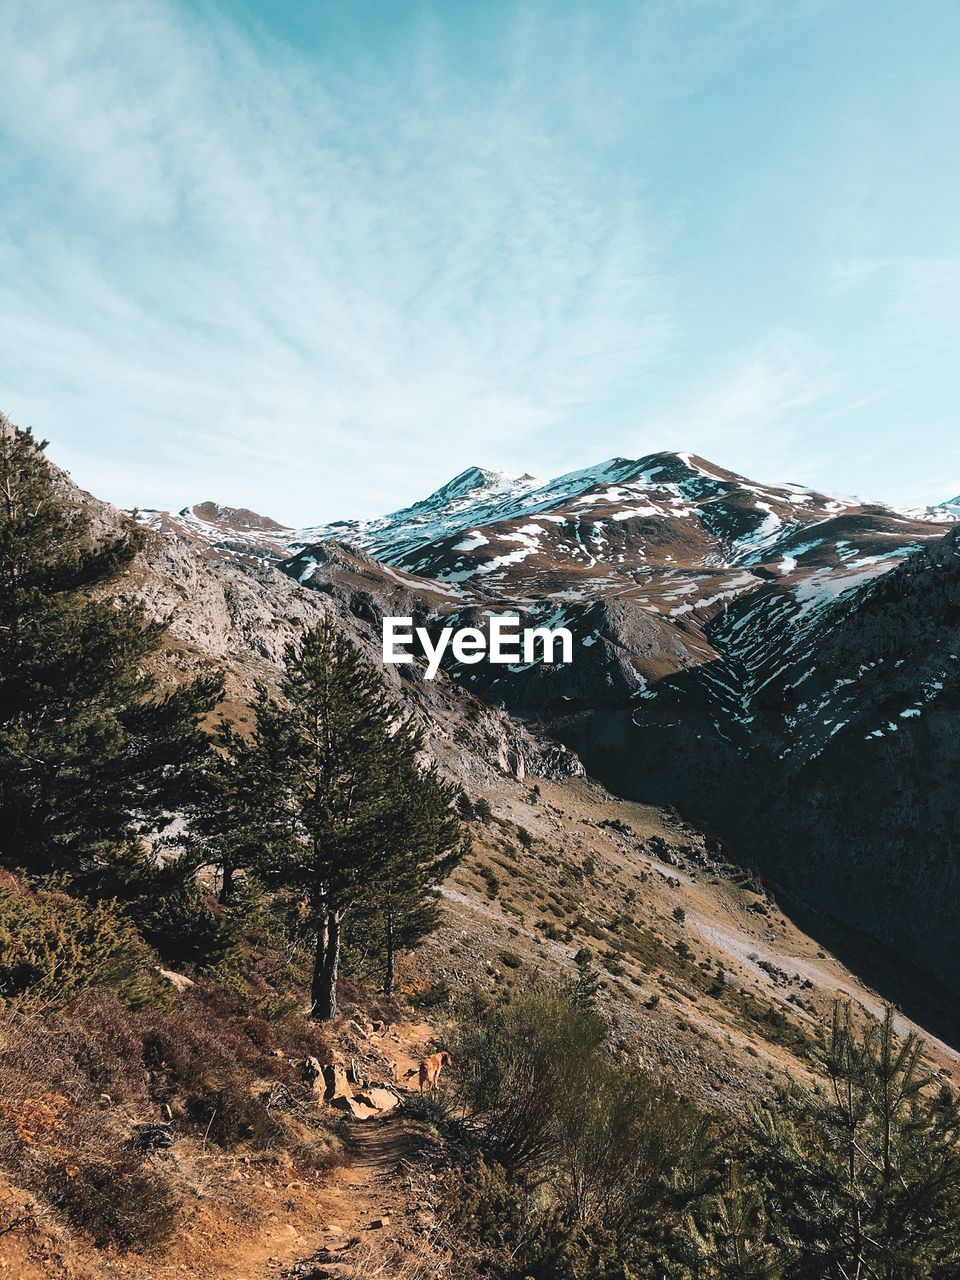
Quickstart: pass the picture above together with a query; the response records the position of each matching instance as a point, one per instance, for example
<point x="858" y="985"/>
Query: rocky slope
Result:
<point x="864" y="730"/>
<point x="238" y="609"/>
<point x="700" y="970"/>
<point x="774" y="661"/>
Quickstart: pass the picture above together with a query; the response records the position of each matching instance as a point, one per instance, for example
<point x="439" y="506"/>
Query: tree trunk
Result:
<point x="325" y="1004"/>
<point x="319" y="963"/>
<point x="388" y="975"/>
<point x="226" y="885"/>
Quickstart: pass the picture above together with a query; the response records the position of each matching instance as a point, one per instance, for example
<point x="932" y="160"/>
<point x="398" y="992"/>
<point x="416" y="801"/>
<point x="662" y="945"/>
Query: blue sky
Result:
<point x="316" y="257"/>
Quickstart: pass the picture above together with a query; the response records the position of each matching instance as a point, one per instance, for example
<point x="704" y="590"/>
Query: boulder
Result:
<point x="382" y="1100"/>
<point x="336" y="1084"/>
<point x="311" y="1070"/>
<point x="354" y="1107"/>
<point x="179" y="981"/>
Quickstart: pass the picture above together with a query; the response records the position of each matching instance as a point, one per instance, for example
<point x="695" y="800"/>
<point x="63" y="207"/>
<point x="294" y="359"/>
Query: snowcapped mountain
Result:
<point x="678" y="578"/>
<point x="780" y="664"/>
<point x="473" y="495"/>
<point x="606" y="526"/>
<point x="608" y="521"/>
<point x="658" y="564"/>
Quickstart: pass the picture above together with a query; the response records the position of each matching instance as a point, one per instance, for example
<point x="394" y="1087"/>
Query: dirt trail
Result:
<point x="367" y="1209"/>
<point x="370" y="1210"/>
<point x="376" y="1205"/>
<point x="370" y="1202"/>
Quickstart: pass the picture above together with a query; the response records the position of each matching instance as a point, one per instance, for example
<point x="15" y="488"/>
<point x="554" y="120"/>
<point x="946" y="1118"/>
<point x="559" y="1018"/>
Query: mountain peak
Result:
<point x="237" y="518"/>
<point x="469" y="481"/>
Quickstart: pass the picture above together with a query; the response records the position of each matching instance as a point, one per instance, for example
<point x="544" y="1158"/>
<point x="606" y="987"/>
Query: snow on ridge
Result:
<point x="620" y="515"/>
<point x="942" y="513"/>
<point x="669" y="485"/>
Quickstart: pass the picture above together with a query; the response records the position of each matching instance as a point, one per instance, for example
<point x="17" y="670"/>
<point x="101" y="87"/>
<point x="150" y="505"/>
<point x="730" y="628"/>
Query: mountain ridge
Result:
<point x="700" y="601"/>
<point x="474" y="479"/>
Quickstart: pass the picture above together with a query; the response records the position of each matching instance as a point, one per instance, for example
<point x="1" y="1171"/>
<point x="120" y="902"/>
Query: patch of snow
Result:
<point x="470" y="543"/>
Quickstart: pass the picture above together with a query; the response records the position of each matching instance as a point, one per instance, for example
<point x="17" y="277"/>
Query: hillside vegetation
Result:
<point x="228" y="934"/>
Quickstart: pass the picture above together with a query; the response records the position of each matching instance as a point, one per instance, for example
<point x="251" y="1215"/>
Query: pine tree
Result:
<point x="86" y="742"/>
<point x="229" y="822"/>
<point x="423" y="846"/>
<point x="863" y="1176"/>
<point x="335" y="760"/>
<point x="727" y="1233"/>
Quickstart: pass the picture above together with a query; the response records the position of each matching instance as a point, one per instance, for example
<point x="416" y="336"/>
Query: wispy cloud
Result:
<point x="754" y="413"/>
<point x="270" y="267"/>
<point x="318" y="272"/>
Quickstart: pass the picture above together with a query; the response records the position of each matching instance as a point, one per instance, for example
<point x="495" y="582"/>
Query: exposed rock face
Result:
<point x="776" y="662"/>
<point x="336" y="1084"/>
<point x="864" y="735"/>
<point x="239" y="609"/>
<point x="830" y="758"/>
<point x="332" y="1086"/>
<point x="232" y="518"/>
<point x="378" y="1099"/>
<point x="749" y="653"/>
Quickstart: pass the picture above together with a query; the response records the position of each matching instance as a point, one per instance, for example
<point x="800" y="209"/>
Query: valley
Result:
<point x="664" y="827"/>
<point x="778" y="664"/>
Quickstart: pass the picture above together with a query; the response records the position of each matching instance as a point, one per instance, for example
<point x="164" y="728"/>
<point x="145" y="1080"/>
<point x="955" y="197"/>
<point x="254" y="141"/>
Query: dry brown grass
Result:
<point x="78" y="1083"/>
<point x="393" y="1260"/>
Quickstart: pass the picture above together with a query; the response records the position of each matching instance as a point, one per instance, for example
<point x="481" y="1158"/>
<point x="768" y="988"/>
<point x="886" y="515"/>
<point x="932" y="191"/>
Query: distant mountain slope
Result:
<point x="653" y="549"/>
<point x="865" y="724"/>
<point x="474" y="494"/>
<point x="610" y="524"/>
<point x="821" y="735"/>
<point x="233" y="600"/>
<point x="772" y="660"/>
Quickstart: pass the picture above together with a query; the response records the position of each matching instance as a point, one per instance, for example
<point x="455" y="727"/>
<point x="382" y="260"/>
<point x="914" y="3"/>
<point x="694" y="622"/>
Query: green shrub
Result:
<point x="516" y="1236"/>
<point x="52" y="944"/>
<point x="465" y="805"/>
<point x="550" y="930"/>
<point x="517" y="1064"/>
<point x="594" y="1164"/>
<point x="170" y="910"/>
<point x="490" y="879"/>
<point x="862" y="1177"/>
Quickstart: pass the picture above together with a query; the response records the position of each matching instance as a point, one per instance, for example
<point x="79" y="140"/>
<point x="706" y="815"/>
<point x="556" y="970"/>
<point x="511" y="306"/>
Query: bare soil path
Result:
<point x="256" y="1217"/>
<point x="379" y="1204"/>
